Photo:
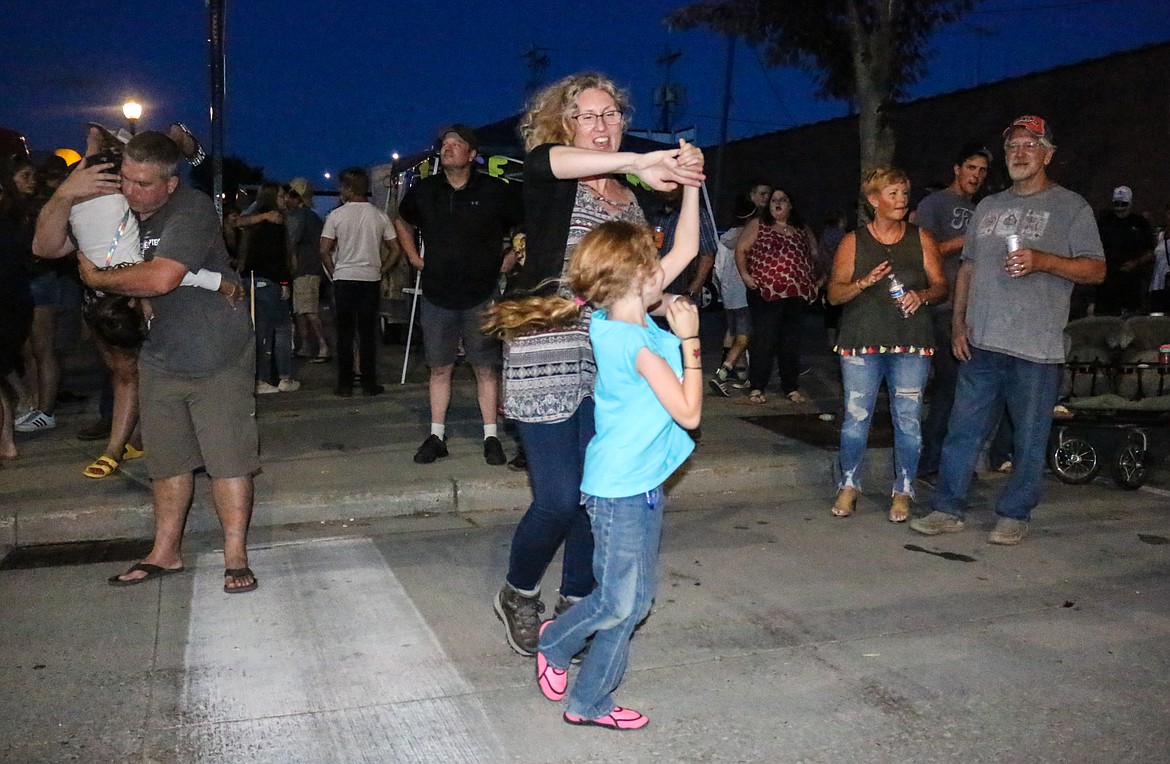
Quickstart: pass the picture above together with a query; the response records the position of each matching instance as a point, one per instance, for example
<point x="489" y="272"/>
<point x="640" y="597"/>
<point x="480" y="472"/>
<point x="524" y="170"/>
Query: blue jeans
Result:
<point x="942" y="393"/>
<point x="986" y="383"/>
<point x="626" y="533"/>
<point x="862" y="375"/>
<point x="274" y="339"/>
<point x="556" y="459"/>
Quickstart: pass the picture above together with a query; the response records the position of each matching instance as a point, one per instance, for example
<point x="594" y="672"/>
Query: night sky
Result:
<point x="316" y="86"/>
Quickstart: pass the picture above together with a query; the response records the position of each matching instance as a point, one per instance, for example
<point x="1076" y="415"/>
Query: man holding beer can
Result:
<point x="1025" y="249"/>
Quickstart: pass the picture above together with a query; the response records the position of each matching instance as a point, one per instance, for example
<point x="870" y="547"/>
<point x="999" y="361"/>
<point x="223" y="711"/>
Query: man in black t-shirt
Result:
<point x="1129" y="250"/>
<point x="464" y="217"/>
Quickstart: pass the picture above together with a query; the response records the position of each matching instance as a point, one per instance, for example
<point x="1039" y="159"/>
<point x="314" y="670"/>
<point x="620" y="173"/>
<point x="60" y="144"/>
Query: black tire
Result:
<point x="1129" y="468"/>
<point x="1074" y="461"/>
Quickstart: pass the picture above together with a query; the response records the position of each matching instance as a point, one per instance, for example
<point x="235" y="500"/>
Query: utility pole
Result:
<point x="669" y="94"/>
<point x="724" y="116"/>
<point x="216" y="13"/>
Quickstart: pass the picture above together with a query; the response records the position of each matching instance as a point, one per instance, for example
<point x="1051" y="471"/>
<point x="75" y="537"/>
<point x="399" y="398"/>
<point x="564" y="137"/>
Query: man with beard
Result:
<point x="1010" y="309"/>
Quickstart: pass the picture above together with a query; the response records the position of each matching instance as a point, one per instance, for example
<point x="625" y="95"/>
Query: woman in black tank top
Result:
<point x="884" y="274"/>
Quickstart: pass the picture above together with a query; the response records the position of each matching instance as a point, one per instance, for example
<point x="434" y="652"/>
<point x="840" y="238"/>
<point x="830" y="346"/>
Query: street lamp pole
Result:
<point x="217" y="12"/>
<point x="132" y="111"/>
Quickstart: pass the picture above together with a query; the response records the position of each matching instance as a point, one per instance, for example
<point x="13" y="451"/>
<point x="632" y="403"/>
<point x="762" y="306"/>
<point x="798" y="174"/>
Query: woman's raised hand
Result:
<point x="879" y="272"/>
<point x="666" y="169"/>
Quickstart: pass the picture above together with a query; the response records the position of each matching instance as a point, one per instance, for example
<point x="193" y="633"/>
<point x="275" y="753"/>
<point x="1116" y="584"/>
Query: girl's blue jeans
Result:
<point x="905" y="376"/>
<point x="626" y="533"/>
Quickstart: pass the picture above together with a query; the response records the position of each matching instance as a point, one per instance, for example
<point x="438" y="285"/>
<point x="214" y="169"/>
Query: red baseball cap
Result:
<point x="1037" y="126"/>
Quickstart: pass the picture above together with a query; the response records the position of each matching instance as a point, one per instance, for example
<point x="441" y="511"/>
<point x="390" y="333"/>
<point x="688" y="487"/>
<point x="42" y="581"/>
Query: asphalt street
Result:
<point x="779" y="634"/>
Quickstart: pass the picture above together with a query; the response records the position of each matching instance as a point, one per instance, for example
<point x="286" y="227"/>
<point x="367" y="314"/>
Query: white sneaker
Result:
<point x="38" y="421"/>
<point x="288" y="385"/>
<point x="24" y="416"/>
<point x="263" y="388"/>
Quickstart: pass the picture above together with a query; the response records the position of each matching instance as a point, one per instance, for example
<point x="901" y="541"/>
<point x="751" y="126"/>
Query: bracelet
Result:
<point x="684" y="339"/>
<point x="697" y="368"/>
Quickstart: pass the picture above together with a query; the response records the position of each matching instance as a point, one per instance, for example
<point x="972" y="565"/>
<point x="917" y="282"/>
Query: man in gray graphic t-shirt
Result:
<point x="1010" y="310"/>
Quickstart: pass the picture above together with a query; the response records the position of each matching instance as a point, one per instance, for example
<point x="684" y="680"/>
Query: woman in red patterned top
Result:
<point x="775" y="256"/>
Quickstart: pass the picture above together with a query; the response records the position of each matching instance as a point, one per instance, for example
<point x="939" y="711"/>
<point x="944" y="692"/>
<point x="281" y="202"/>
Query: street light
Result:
<point x="132" y="110"/>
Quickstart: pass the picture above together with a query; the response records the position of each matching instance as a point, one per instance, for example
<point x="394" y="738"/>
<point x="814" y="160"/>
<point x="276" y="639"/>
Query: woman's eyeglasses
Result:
<point x="588" y="119"/>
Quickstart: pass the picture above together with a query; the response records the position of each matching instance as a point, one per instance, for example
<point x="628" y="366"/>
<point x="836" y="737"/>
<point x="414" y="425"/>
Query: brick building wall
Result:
<point x="1111" y="117"/>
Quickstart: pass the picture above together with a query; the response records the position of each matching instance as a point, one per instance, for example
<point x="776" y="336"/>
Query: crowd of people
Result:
<point x="964" y="297"/>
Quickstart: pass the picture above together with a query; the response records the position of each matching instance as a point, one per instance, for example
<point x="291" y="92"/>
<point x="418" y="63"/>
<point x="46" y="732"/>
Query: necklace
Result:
<point x="887" y="244"/>
<point x="621" y="205"/>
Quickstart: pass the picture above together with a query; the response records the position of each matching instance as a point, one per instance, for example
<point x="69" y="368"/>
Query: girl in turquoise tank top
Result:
<point x="646" y="392"/>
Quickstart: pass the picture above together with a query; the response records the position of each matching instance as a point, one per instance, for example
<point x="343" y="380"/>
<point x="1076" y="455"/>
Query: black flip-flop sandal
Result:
<point x="236" y="574"/>
<point x="152" y="572"/>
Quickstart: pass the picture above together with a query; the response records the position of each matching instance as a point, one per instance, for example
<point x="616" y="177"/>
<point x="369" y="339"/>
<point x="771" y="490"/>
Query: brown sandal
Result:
<point x="846" y="502"/>
<point x="899" y="508"/>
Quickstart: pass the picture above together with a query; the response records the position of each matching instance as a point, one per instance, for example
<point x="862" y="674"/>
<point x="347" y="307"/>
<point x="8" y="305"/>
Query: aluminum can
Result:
<point x="1013" y="243"/>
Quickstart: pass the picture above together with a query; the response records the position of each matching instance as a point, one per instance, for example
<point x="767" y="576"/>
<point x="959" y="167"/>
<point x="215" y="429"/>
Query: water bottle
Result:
<point x="897" y="292"/>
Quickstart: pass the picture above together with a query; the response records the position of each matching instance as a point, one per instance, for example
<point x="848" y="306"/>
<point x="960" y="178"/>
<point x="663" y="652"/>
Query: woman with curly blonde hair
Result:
<point x="572" y="184"/>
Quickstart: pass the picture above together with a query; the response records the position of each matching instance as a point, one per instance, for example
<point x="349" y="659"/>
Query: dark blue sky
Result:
<point x="315" y="86"/>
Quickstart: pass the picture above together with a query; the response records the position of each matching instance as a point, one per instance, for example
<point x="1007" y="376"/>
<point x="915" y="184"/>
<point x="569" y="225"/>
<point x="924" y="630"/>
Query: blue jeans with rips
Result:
<point x="556" y="459"/>
<point x="626" y="533"/>
<point x="986" y="383"/>
<point x="905" y="375"/>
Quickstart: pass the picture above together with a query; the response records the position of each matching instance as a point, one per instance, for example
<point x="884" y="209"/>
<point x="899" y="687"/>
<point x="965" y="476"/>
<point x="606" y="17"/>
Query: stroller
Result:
<point x="1116" y="399"/>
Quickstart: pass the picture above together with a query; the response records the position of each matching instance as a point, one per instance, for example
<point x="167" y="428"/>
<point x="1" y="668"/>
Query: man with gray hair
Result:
<point x="196" y="366"/>
<point x="1024" y="250"/>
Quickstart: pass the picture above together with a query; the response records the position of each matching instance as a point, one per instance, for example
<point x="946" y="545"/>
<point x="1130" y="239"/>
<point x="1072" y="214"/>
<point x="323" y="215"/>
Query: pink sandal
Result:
<point x="552" y="681"/>
<point x="617" y="719"/>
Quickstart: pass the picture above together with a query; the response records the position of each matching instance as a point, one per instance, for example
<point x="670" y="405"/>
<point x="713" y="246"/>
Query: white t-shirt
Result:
<point x="359" y="228"/>
<point x="95" y="223"/>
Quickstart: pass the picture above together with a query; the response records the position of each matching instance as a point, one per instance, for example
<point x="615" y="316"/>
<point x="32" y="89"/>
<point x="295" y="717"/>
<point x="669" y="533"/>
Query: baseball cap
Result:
<point x="1122" y="195"/>
<point x="464" y="132"/>
<point x="303" y="187"/>
<point x="972" y="149"/>
<point x="1037" y="126"/>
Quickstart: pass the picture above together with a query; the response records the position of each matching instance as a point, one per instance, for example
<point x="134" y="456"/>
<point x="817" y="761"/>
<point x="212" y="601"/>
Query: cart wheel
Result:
<point x="1074" y="460"/>
<point x="1129" y="469"/>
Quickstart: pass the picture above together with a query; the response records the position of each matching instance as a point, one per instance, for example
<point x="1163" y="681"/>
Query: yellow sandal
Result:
<point x="102" y="467"/>
<point x="846" y="502"/>
<point x="132" y="453"/>
<point x="899" y="508"/>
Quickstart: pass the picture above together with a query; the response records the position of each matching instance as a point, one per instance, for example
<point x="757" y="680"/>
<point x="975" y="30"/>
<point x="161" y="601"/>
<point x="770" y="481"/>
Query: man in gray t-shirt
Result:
<point x="196" y="367"/>
<point x="1010" y="309"/>
<point x="945" y="215"/>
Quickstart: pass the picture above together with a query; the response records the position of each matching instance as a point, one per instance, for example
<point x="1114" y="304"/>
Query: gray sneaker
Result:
<point x="1008" y="532"/>
<point x="521" y="617"/>
<point x="937" y="522"/>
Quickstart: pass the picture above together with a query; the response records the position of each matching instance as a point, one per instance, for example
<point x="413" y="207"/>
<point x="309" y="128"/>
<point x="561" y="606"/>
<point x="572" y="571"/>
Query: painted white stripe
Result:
<point x="1155" y="491"/>
<point x="328" y="661"/>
